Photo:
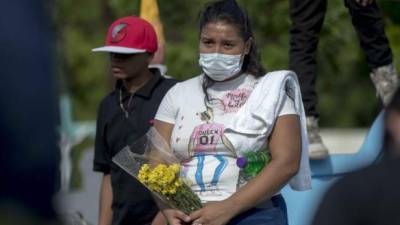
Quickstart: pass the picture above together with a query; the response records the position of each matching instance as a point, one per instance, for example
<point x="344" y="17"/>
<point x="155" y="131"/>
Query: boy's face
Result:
<point x="127" y="66"/>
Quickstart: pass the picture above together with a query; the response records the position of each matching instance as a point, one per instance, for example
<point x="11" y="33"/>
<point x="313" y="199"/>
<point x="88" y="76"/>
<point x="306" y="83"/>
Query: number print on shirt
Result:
<point x="205" y="138"/>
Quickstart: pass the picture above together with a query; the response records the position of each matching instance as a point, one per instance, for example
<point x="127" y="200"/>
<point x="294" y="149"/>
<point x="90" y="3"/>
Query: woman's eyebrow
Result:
<point x="232" y="41"/>
<point x="205" y="37"/>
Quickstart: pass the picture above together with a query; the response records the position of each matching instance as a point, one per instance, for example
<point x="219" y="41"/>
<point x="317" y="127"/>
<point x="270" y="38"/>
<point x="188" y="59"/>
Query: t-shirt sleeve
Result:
<point x="102" y="159"/>
<point x="287" y="107"/>
<point x="168" y="109"/>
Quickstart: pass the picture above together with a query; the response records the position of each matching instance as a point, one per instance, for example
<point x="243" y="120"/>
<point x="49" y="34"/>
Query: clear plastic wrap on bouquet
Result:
<point x="150" y="160"/>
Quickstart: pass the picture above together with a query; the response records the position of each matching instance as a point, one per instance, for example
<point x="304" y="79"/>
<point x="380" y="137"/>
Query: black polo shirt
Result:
<point x="132" y="203"/>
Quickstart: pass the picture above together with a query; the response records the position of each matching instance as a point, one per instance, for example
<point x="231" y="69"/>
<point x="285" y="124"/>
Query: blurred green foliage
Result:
<point x="347" y="97"/>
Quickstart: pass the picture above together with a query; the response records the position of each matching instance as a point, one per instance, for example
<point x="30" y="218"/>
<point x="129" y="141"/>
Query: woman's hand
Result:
<point x="175" y="217"/>
<point x="159" y="219"/>
<point x="215" y="213"/>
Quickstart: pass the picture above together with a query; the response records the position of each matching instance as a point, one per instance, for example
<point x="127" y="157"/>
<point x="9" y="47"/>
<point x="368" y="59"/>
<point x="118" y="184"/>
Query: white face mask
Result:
<point x="220" y="67"/>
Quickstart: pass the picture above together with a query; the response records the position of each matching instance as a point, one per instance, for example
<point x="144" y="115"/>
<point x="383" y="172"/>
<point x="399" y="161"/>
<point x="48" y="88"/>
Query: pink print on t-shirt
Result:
<point x="235" y="99"/>
<point x="205" y="137"/>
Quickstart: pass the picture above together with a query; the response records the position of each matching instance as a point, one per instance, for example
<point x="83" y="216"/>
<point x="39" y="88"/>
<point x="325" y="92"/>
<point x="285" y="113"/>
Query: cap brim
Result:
<point x="117" y="49"/>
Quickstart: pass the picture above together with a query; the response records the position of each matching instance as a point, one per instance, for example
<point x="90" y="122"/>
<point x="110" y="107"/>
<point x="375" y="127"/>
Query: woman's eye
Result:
<point x="228" y="45"/>
<point x="207" y="43"/>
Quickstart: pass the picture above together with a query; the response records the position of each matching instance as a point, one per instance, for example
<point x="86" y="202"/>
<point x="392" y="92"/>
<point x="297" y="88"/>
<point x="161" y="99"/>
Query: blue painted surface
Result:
<point x="75" y="131"/>
<point x="302" y="205"/>
<point x="72" y="133"/>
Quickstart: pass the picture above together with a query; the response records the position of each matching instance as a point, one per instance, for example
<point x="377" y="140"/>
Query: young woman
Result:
<point x="194" y="115"/>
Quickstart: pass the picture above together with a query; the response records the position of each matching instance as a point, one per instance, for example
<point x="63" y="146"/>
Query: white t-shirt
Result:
<point x="209" y="163"/>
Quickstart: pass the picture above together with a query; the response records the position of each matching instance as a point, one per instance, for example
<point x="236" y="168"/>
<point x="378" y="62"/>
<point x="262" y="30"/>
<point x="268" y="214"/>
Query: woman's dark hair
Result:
<point x="394" y="106"/>
<point x="230" y="12"/>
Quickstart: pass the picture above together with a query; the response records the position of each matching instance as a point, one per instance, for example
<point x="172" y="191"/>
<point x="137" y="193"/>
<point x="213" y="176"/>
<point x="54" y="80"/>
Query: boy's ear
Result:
<point x="151" y="56"/>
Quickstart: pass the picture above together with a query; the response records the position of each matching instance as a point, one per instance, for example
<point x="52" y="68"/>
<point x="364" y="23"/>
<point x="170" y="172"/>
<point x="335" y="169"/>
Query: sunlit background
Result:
<point x="347" y="99"/>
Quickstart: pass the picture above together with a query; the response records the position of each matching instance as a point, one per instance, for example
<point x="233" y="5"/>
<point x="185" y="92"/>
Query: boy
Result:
<point x="125" y="115"/>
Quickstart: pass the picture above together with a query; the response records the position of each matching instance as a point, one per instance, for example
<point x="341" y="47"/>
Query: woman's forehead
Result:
<point x="220" y="29"/>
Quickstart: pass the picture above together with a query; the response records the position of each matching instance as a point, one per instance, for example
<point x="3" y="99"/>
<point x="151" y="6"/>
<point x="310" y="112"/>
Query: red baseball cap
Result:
<point x="129" y="35"/>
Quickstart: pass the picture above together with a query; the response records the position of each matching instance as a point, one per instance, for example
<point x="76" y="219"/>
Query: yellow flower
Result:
<point x="171" y="190"/>
<point x="152" y="178"/>
<point x="175" y="167"/>
<point x="143" y="178"/>
<point x="162" y="179"/>
<point x="178" y="182"/>
<point x="145" y="167"/>
<point x="143" y="173"/>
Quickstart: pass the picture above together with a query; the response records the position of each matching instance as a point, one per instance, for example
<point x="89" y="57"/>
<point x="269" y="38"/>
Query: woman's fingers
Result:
<point x="196" y="215"/>
<point x="182" y="216"/>
<point x="197" y="222"/>
<point x="175" y="217"/>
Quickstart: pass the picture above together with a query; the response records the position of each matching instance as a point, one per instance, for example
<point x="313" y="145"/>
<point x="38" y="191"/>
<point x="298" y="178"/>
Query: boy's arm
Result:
<point x="106" y="196"/>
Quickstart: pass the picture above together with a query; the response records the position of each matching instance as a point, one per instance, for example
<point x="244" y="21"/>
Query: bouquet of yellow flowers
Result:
<point x="152" y="163"/>
<point x="165" y="181"/>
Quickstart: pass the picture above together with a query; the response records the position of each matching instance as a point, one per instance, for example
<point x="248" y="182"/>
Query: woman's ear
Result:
<point x="247" y="45"/>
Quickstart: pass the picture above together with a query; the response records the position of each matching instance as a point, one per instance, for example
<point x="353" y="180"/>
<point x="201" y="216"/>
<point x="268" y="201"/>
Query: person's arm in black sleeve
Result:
<point x="102" y="164"/>
<point x="102" y="156"/>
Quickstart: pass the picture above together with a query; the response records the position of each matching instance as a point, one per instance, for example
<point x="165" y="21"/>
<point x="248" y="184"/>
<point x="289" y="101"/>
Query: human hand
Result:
<point x="176" y="217"/>
<point x="159" y="219"/>
<point x="364" y="3"/>
<point x="215" y="213"/>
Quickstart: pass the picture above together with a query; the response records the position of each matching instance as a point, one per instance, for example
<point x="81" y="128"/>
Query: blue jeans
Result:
<point x="274" y="215"/>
